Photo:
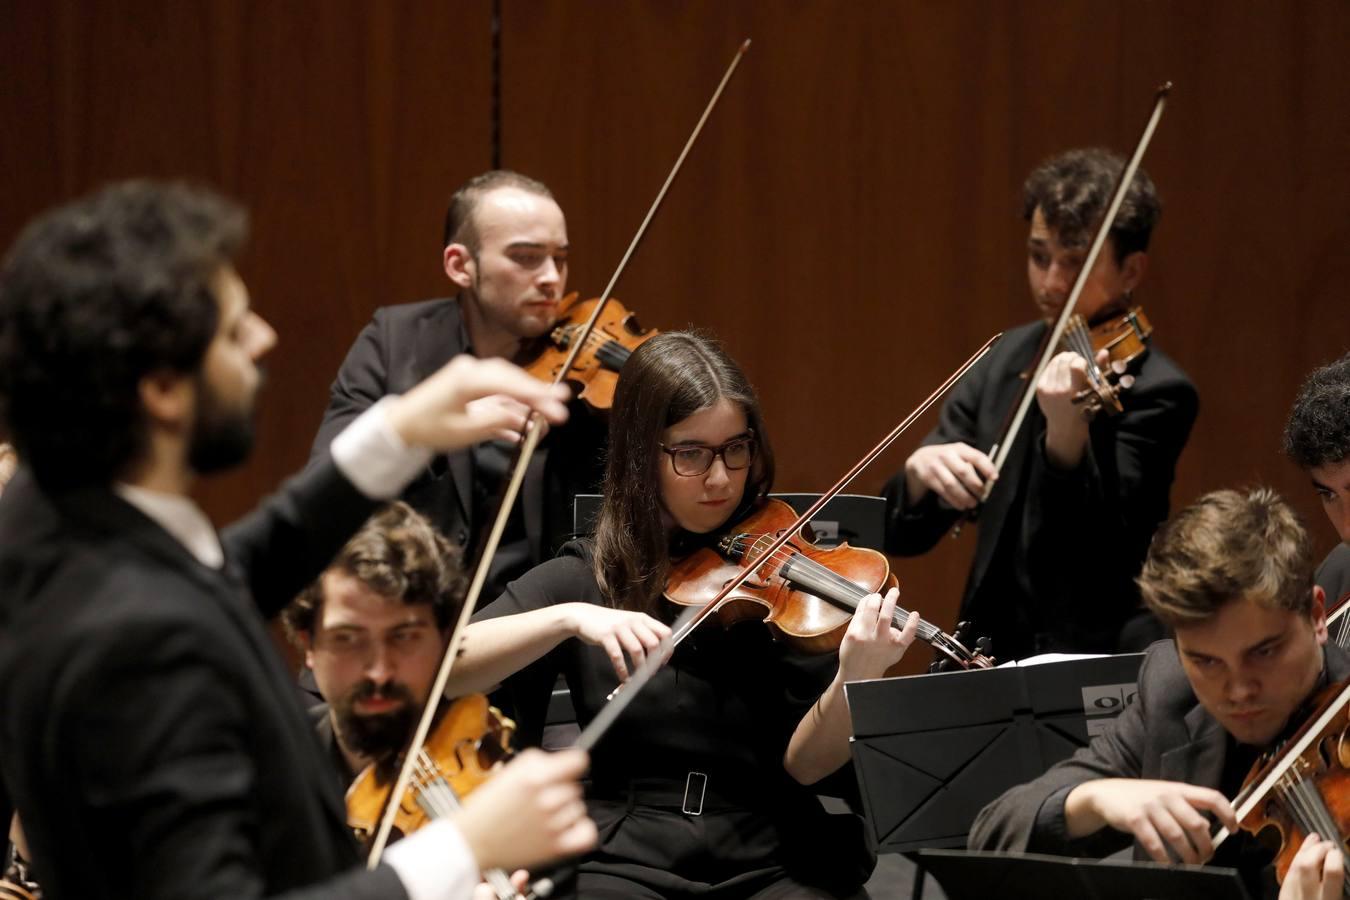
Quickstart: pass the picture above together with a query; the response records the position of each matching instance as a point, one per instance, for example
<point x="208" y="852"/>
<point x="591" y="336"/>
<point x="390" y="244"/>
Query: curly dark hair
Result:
<point x="665" y="381"/>
<point x="460" y="227"/>
<point x="1072" y="191"/>
<point x="398" y="554"/>
<point x="1318" y="430"/>
<point x="94" y="296"/>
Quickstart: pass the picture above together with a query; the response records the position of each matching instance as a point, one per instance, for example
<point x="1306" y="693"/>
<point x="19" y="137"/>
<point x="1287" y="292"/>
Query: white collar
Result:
<point x="181" y="518"/>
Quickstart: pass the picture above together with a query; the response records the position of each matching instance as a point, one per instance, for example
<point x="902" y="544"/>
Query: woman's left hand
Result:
<point x="872" y="643"/>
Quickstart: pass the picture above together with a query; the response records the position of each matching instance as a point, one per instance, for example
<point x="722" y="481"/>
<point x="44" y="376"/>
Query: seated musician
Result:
<point x="700" y="787"/>
<point x="149" y="737"/>
<point x="1317" y="439"/>
<point x="1232" y="575"/>
<point x="504" y="254"/>
<point x="374" y="627"/>
<point x="1077" y="500"/>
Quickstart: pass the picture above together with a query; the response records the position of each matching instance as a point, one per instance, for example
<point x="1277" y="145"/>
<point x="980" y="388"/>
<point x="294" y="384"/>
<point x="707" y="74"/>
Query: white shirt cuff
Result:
<point x="374" y="458"/>
<point x="434" y="863"/>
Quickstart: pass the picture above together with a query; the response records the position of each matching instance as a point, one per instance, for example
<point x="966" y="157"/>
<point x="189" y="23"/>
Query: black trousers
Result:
<point x="650" y="848"/>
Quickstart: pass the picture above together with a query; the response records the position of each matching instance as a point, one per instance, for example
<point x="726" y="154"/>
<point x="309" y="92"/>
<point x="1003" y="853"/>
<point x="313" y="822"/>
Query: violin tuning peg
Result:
<point x="983" y="646"/>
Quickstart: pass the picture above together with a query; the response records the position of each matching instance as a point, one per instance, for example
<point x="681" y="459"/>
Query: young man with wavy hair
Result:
<point x="1232" y="575"/>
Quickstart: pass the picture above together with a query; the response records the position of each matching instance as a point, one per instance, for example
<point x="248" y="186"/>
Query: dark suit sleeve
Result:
<point x="178" y="788"/>
<point x="912" y="530"/>
<point x="1333" y="576"/>
<point x="1030" y="817"/>
<point x="293" y="535"/>
<point x="1107" y="508"/>
<point x="362" y="380"/>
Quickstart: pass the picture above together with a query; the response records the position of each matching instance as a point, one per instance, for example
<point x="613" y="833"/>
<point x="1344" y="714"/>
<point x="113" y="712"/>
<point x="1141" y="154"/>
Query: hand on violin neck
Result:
<point x="1066" y="422"/>
<point x="529" y="813"/>
<point x="1317" y="871"/>
<point x="1165" y="817"/>
<point x="470" y="400"/>
<point x="872" y="643"/>
<point x="956" y="472"/>
<point x="626" y="637"/>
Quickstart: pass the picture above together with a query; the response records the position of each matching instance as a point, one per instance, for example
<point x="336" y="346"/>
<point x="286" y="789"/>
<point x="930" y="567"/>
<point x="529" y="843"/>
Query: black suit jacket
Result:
<point x="1333" y="575"/>
<point x="400" y="347"/>
<point x="1165" y="734"/>
<point x="149" y="732"/>
<point x="1057" y="551"/>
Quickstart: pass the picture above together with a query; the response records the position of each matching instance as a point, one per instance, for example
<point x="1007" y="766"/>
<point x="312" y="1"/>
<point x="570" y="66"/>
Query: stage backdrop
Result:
<point x="848" y="224"/>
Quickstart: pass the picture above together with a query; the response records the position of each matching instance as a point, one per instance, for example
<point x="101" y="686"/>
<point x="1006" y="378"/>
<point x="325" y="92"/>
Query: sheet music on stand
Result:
<point x="931" y="750"/>
<point x="974" y="875"/>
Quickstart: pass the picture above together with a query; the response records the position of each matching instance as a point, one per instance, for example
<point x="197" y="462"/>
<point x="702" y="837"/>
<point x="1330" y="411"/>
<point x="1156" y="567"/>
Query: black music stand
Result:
<point x="856" y="518"/>
<point x="931" y="750"/>
<point x="971" y="875"/>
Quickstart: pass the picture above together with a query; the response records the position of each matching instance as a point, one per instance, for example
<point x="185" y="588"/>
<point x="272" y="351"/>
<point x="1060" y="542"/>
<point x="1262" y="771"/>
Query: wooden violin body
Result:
<point x="1305" y="788"/>
<point x="595" y="370"/>
<point x="470" y="738"/>
<point x="804" y="593"/>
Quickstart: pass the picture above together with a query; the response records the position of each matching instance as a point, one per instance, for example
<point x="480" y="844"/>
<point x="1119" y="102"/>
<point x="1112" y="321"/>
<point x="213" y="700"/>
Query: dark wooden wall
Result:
<point x="848" y="224"/>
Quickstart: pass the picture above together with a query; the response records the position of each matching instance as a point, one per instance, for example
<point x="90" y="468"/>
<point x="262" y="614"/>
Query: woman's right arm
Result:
<point x="494" y="649"/>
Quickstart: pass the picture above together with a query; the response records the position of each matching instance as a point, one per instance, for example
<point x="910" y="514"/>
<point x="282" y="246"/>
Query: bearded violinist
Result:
<point x="1067" y="521"/>
<point x="1232" y="575"/>
<point x="373" y="628"/>
<point x="149" y="736"/>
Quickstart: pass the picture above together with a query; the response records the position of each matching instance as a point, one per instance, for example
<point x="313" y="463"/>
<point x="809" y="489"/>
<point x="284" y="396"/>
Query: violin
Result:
<point x="1305" y="786"/>
<point x="1069" y="328"/>
<point x="1124" y="337"/>
<point x="604" y="348"/>
<point x="804" y="593"/>
<point x="470" y="739"/>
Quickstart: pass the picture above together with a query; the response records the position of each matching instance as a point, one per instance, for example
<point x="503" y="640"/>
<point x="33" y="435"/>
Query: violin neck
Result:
<point x="823" y="582"/>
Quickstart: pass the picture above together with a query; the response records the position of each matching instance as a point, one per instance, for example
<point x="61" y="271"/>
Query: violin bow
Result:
<point x="690" y="618"/>
<point x="999" y="452"/>
<point x="524" y="452"/>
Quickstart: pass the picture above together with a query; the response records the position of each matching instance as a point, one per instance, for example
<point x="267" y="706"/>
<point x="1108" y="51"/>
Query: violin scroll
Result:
<point x="953" y="655"/>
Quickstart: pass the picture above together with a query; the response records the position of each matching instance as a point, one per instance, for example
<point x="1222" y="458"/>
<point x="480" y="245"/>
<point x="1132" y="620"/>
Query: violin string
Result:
<point x="441" y="801"/>
<point x="850" y="591"/>
<point x="1081" y="343"/>
<point x="1307" y="806"/>
<point x="927" y="631"/>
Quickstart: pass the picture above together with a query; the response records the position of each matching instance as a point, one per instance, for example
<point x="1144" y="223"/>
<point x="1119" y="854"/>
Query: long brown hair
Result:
<point x="665" y="381"/>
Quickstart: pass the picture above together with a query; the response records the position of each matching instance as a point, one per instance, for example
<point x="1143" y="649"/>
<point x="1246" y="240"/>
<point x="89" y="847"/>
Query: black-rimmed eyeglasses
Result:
<point x="691" y="459"/>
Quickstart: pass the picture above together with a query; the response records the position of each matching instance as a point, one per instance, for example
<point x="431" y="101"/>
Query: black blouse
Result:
<point x="726" y="705"/>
